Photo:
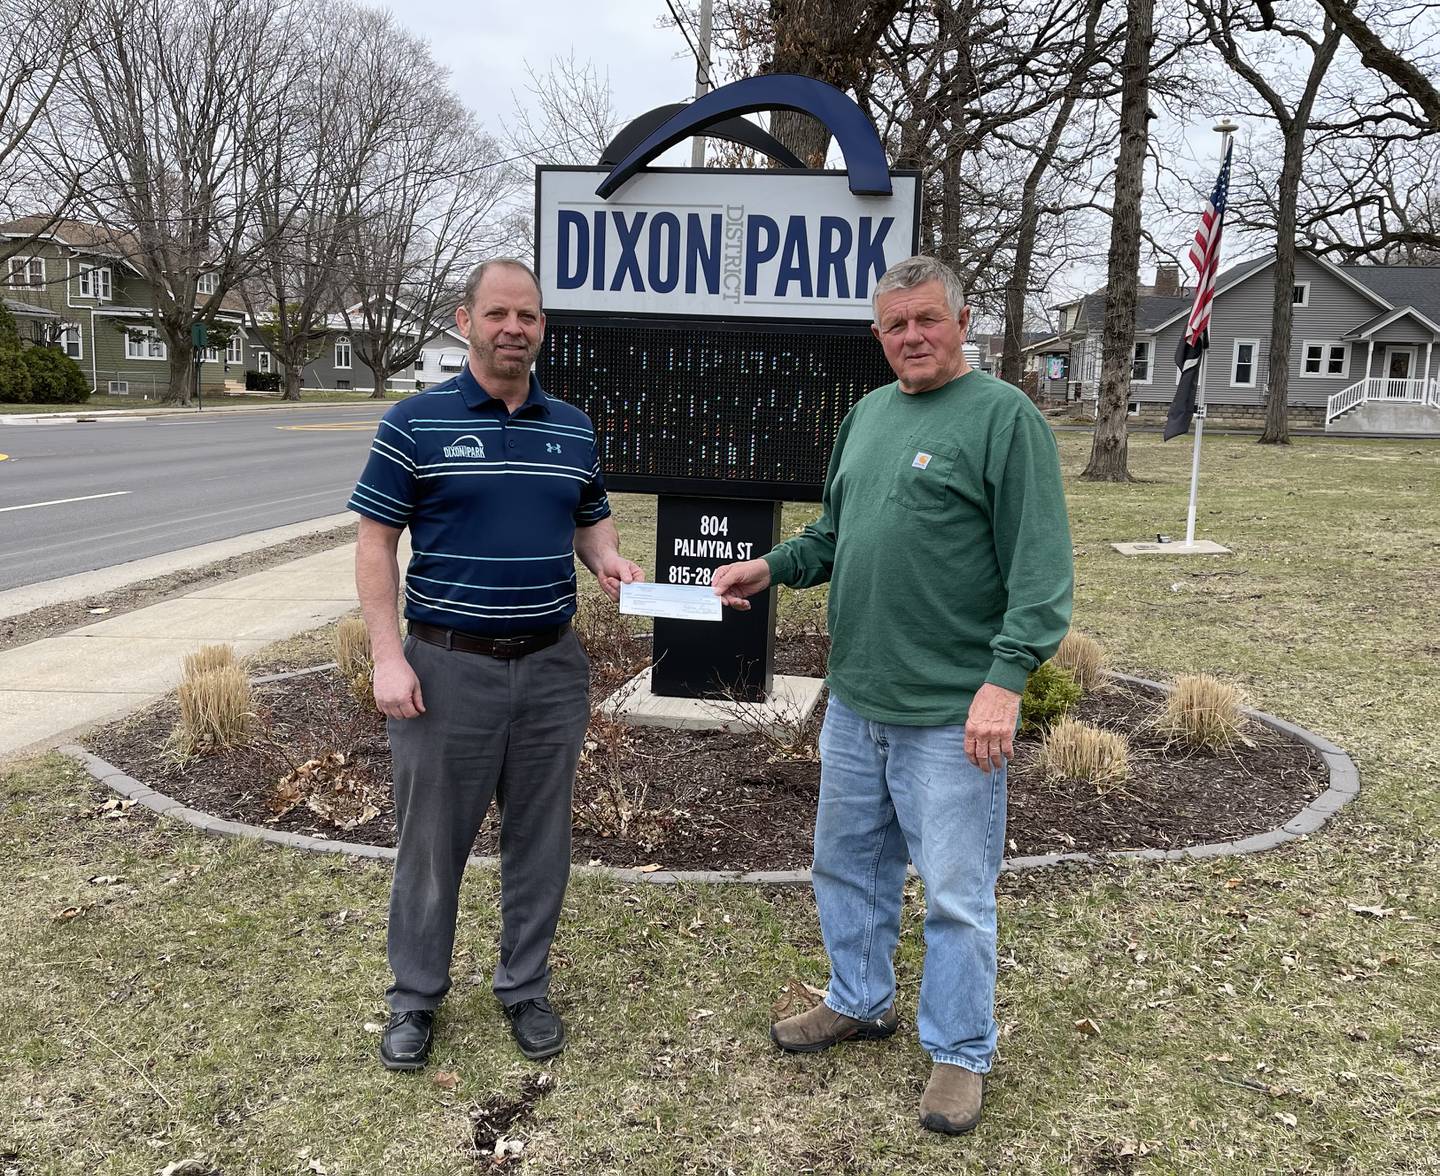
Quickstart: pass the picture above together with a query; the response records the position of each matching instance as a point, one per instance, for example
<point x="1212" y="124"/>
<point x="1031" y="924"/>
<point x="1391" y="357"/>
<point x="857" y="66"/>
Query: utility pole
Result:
<point x="702" y="78"/>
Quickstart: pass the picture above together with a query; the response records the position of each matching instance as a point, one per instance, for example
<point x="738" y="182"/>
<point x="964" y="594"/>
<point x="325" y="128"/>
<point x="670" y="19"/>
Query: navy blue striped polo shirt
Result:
<point x="492" y="500"/>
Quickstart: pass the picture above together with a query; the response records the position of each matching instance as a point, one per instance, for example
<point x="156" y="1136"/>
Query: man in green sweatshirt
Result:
<point x="946" y="545"/>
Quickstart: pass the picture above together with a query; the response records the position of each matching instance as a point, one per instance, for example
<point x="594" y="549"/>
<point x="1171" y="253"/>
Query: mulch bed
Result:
<point x="688" y="800"/>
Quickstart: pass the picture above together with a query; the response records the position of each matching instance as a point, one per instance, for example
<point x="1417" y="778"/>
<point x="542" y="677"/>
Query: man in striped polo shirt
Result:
<point x="487" y="697"/>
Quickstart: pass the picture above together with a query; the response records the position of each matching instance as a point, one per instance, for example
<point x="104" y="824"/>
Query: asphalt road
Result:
<point x="168" y="483"/>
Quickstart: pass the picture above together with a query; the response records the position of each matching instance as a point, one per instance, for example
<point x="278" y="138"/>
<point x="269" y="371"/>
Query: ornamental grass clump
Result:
<point x="355" y="659"/>
<point x="216" y="708"/>
<point x="208" y="657"/>
<point x="1049" y="694"/>
<point x="1072" y="750"/>
<point x="1204" y="712"/>
<point x="1083" y="657"/>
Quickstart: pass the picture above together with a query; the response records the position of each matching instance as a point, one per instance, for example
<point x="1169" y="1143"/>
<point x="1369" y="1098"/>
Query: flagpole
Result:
<point x="1226" y="129"/>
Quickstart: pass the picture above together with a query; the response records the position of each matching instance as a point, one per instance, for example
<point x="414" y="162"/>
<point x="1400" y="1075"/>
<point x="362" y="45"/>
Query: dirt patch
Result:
<point x="495" y="1122"/>
<point x="722" y="800"/>
<point x="61" y="618"/>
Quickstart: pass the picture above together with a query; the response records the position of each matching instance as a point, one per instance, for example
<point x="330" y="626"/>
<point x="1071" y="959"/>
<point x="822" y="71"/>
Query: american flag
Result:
<point x="1205" y="257"/>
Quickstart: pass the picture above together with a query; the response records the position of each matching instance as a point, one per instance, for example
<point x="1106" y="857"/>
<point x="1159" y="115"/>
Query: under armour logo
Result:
<point x="550" y="447"/>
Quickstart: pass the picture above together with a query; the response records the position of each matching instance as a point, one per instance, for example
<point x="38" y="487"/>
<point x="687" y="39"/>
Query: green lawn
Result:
<point x="169" y="996"/>
<point x="212" y="400"/>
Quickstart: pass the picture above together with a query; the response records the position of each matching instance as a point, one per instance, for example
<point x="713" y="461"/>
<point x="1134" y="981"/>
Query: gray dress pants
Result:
<point x="493" y="728"/>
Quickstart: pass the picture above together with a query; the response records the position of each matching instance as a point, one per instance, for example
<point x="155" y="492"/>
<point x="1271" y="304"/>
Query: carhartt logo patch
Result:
<point x="922" y="459"/>
<point x="468" y="446"/>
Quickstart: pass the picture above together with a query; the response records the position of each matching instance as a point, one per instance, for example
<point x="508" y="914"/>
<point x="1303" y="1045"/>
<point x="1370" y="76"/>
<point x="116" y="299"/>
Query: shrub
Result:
<point x="262" y="381"/>
<point x="1083" y="657"/>
<point x="1050" y="692"/>
<point x="216" y="707"/>
<point x="356" y="662"/>
<point x="208" y="657"/>
<point x="55" y="378"/>
<point x="1204" y="712"/>
<point x="14" y="375"/>
<point x="1073" y="750"/>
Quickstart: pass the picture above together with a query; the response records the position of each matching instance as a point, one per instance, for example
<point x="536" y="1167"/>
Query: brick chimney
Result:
<point x="1167" y="279"/>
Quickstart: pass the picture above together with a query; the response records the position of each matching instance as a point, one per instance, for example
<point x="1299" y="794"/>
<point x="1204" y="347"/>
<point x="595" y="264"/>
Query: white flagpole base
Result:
<point x="1194" y="547"/>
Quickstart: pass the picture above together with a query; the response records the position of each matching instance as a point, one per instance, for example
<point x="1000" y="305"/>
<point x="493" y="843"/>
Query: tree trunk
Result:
<point x="1282" y="314"/>
<point x="292" y="382"/>
<point x="380" y="378"/>
<point x="1017" y="289"/>
<point x="1109" y="450"/>
<point x="181" y="369"/>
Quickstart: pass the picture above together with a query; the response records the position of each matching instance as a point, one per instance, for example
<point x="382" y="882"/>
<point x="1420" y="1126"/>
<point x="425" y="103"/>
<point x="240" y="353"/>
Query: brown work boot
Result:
<point x="821" y="1027"/>
<point x="951" y="1102"/>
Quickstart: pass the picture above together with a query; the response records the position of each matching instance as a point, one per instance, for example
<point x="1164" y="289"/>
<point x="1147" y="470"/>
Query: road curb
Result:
<point x="1344" y="787"/>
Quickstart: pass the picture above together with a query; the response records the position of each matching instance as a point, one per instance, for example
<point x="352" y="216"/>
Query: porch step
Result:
<point x="1379" y="418"/>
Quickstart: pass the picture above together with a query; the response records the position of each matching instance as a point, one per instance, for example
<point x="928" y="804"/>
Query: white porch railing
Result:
<point x="1384" y="390"/>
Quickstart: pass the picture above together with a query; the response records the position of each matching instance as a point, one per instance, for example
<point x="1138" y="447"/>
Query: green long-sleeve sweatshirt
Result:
<point x="947" y="547"/>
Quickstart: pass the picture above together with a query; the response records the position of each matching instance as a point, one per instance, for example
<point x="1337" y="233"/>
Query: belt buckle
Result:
<point x="508" y="647"/>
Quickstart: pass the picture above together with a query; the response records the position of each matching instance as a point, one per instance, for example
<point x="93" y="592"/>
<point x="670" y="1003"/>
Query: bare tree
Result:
<point x="431" y="210"/>
<point x="171" y="121"/>
<point x="1239" y="31"/>
<point x="1363" y="28"/>
<point x="1373" y="196"/>
<point x="38" y="41"/>
<point x="366" y="81"/>
<point x="570" y="117"/>
<point x="1109" y="449"/>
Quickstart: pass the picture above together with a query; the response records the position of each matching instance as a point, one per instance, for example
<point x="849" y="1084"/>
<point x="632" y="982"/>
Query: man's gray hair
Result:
<point x="916" y="271"/>
<point x="477" y="275"/>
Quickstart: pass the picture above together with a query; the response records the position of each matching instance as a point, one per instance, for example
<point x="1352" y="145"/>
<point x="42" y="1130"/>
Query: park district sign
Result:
<point x="719" y="245"/>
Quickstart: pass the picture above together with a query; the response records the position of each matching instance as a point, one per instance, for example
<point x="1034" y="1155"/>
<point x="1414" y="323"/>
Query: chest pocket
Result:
<point x="922" y="479"/>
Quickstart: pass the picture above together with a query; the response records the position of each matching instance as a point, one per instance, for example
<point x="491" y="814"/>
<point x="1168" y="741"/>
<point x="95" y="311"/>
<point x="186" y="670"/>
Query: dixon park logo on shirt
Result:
<point x="467" y="446"/>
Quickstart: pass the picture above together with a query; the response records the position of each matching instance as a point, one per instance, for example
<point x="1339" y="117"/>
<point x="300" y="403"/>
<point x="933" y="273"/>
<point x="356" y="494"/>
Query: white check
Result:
<point x="681" y="602"/>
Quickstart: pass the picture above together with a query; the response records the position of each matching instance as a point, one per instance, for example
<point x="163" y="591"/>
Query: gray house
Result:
<point x="1363" y="351"/>
<point x="335" y="366"/>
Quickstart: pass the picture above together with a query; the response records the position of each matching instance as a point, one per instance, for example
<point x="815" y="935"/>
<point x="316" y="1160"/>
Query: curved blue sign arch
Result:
<point x="865" y="162"/>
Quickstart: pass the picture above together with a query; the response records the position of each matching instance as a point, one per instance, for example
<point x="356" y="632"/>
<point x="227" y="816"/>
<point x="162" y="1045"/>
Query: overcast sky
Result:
<point x="486" y="47"/>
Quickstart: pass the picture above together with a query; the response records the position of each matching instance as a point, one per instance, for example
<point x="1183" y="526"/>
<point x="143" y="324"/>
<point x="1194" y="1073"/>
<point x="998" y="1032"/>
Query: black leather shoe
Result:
<point x="407" y="1040"/>
<point x="537" y="1027"/>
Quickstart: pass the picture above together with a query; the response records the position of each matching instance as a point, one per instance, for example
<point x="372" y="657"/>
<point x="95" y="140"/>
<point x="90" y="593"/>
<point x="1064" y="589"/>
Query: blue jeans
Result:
<point x="891" y="794"/>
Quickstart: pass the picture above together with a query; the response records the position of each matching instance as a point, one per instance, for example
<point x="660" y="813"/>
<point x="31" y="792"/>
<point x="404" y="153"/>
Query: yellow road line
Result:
<point x="4" y="457"/>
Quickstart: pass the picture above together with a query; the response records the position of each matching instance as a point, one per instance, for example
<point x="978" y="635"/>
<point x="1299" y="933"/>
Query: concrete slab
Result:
<point x="222" y="620"/>
<point x="28" y="718"/>
<point x="791" y="703"/>
<point x="96" y="665"/>
<point x="1199" y="547"/>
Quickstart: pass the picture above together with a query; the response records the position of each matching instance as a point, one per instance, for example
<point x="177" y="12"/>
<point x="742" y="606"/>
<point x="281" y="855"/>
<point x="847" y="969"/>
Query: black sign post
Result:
<point x="734" y="659"/>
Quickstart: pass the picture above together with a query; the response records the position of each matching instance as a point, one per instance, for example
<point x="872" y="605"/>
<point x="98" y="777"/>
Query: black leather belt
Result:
<point x="517" y="645"/>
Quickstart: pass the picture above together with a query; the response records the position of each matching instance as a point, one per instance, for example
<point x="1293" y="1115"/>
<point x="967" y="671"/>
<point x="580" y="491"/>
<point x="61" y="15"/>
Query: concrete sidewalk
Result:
<point x="51" y="690"/>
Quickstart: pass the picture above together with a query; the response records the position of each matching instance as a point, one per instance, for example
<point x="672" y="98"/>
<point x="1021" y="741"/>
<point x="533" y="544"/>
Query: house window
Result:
<point x="420" y="362"/>
<point x="207" y="283"/>
<point x="1300" y="294"/>
<point x="235" y="349"/>
<point x="1325" y="359"/>
<point x="342" y="353"/>
<point x="452" y="361"/>
<point x="27" y="271"/>
<point x="95" y="282"/>
<point x="1242" y="368"/>
<point x="144" y="343"/>
<point x="212" y="355"/>
<point x="1140" y="369"/>
<point x="342" y="385"/>
<point x="262" y="361"/>
<point x="70" y="342"/>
